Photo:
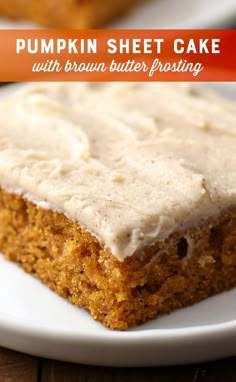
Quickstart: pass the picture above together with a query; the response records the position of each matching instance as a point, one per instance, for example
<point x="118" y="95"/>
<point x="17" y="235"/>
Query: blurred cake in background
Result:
<point x="73" y="14"/>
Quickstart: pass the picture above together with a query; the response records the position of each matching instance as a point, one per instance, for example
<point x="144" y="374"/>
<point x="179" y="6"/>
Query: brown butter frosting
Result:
<point x="131" y="163"/>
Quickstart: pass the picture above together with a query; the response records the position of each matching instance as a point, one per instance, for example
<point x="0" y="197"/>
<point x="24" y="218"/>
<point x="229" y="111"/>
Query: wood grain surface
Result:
<point x="17" y="367"/>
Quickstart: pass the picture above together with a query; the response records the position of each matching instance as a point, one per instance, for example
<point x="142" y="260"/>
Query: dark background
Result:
<point x="16" y="367"/>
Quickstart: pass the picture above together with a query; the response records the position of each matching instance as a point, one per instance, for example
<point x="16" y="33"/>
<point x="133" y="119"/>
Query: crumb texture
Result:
<point x="187" y="267"/>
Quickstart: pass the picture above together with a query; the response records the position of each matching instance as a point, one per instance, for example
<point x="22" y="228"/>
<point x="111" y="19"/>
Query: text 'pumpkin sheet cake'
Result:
<point x="120" y="197"/>
<point x="73" y="14"/>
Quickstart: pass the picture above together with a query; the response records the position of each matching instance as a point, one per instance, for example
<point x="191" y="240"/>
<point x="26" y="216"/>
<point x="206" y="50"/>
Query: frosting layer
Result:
<point x="131" y="163"/>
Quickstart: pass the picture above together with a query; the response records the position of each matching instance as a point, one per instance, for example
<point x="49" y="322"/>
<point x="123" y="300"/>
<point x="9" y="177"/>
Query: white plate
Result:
<point x="169" y="14"/>
<point x="181" y="14"/>
<point x="35" y="320"/>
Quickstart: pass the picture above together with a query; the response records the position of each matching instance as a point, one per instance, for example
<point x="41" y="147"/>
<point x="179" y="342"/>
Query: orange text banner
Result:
<point x="118" y="55"/>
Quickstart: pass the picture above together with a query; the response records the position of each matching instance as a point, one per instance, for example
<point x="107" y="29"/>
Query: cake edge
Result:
<point x="180" y="271"/>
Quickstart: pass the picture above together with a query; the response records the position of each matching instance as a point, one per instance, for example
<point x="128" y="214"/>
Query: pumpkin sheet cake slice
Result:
<point x="120" y="197"/>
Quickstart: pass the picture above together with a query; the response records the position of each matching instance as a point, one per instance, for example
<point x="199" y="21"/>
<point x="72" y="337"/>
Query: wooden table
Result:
<point x="17" y="367"/>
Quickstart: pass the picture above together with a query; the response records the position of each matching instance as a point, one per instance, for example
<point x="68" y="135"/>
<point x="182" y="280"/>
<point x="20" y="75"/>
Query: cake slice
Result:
<point x="120" y="197"/>
<point x="73" y="14"/>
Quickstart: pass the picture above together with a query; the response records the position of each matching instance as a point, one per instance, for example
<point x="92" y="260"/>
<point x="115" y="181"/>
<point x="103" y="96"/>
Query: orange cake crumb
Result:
<point x="128" y="211"/>
<point x="187" y="267"/>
